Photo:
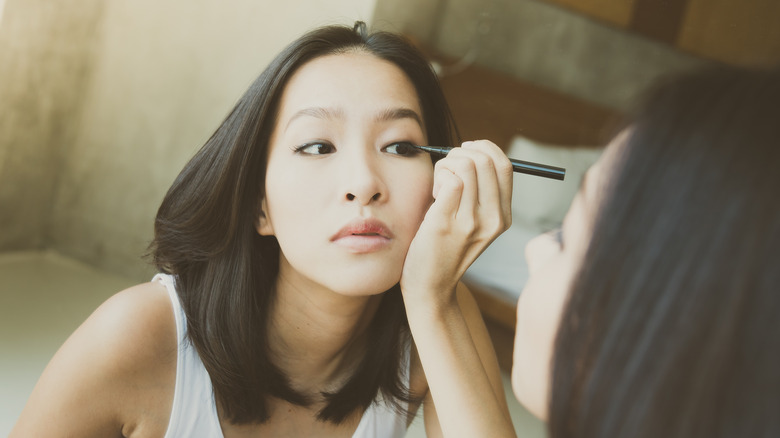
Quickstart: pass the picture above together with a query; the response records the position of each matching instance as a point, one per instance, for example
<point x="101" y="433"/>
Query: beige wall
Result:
<point x="149" y="83"/>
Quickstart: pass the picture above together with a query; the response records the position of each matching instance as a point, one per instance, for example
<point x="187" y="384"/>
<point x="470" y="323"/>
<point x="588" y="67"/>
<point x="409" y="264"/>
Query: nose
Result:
<point x="363" y="181"/>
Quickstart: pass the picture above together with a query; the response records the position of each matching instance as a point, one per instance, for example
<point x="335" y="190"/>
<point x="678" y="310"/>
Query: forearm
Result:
<point x="467" y="403"/>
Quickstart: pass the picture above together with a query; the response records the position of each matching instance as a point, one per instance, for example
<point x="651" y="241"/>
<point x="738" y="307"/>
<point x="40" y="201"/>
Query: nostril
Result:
<point x="352" y="197"/>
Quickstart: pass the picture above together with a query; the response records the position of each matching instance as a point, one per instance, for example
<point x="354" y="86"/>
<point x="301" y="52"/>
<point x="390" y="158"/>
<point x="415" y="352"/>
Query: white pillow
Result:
<point x="501" y="269"/>
<point x="542" y="203"/>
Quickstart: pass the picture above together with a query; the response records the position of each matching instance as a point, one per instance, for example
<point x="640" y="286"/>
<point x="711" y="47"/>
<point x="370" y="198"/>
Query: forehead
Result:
<point x="356" y="80"/>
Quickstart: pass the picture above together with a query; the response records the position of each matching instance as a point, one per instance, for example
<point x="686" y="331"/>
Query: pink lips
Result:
<point x="363" y="235"/>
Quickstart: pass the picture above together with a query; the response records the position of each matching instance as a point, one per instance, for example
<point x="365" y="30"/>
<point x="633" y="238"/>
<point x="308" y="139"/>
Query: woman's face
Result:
<point x="553" y="261"/>
<point x="343" y="201"/>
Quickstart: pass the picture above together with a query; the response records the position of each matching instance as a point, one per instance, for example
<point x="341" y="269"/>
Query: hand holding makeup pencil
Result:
<point x="472" y="191"/>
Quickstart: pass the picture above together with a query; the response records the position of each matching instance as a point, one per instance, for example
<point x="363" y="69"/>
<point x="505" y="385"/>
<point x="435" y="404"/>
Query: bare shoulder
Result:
<point x="141" y="318"/>
<point x="115" y="372"/>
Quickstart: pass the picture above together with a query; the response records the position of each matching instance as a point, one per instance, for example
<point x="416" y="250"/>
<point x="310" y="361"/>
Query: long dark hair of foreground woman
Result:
<point x="673" y="327"/>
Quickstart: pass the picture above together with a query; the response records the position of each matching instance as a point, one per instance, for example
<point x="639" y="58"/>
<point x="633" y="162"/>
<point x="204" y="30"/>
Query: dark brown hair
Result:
<point x="671" y="329"/>
<point x="225" y="272"/>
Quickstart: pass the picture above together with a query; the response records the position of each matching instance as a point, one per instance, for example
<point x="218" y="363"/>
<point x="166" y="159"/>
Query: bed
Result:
<point x="533" y="124"/>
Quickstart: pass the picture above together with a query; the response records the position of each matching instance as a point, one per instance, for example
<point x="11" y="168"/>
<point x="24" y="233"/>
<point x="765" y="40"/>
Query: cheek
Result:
<point x="291" y="197"/>
<point x="412" y="195"/>
<point x="539" y="251"/>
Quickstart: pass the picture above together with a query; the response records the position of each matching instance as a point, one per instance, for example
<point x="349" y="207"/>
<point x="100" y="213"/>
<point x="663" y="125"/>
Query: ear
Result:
<point x="263" y="223"/>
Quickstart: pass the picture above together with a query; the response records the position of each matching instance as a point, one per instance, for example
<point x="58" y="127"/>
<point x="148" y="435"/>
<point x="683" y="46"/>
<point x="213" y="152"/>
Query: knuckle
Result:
<point x="468" y="225"/>
<point x="456" y="183"/>
<point x="505" y="167"/>
<point x="496" y="226"/>
<point x="442" y="228"/>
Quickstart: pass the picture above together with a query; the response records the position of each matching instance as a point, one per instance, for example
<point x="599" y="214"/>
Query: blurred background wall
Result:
<point x="102" y="103"/>
<point x="602" y="51"/>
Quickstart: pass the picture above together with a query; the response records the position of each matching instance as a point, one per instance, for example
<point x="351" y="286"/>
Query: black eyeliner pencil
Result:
<point x="518" y="166"/>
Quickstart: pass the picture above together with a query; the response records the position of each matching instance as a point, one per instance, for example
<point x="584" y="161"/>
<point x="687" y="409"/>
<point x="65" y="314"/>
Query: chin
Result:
<point x="367" y="279"/>
<point x="365" y="288"/>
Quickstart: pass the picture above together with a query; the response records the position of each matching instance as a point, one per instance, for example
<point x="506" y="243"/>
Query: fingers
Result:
<point x="486" y="174"/>
<point x="472" y="190"/>
<point x="460" y="166"/>
<point x="502" y="172"/>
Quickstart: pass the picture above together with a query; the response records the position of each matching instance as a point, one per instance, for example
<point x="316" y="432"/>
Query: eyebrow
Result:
<point x="389" y="114"/>
<point x="398" y="114"/>
<point x="317" y="112"/>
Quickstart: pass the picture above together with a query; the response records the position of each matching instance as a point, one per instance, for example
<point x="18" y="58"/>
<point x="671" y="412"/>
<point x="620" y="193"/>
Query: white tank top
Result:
<point x="194" y="412"/>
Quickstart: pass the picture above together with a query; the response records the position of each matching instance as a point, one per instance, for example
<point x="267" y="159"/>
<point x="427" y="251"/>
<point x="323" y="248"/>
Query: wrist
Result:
<point x="428" y="305"/>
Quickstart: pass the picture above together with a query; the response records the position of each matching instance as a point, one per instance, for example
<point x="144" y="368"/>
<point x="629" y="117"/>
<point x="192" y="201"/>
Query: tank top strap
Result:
<point x="194" y="412"/>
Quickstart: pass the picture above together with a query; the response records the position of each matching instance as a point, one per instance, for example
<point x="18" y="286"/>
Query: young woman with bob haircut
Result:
<point x="310" y="264"/>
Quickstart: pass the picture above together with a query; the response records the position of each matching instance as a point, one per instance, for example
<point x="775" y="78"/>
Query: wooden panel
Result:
<point x="660" y="20"/>
<point x="737" y="32"/>
<point x="497" y="309"/>
<point x="617" y="12"/>
<point x="500" y="319"/>
<point x="503" y="343"/>
<point x="491" y="105"/>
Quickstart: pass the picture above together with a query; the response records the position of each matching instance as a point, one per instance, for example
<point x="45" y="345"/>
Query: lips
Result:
<point x="363" y="235"/>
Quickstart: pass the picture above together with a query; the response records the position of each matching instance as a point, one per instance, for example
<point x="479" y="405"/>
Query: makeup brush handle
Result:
<point x="518" y="166"/>
<point x="542" y="170"/>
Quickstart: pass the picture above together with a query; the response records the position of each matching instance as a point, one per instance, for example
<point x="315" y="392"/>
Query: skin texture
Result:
<point x="115" y="375"/>
<point x="553" y="260"/>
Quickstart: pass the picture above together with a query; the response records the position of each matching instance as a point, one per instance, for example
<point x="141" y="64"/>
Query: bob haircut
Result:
<point x="225" y="271"/>
<point x="671" y="329"/>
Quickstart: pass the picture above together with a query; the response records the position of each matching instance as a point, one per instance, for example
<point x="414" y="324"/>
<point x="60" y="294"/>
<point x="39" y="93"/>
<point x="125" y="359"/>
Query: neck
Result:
<point x="317" y="336"/>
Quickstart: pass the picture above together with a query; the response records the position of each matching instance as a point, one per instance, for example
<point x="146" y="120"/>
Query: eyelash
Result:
<point x="301" y="149"/>
<point x="410" y="152"/>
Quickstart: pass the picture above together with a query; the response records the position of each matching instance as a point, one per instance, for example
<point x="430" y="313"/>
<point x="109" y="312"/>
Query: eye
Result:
<point x="315" y="148"/>
<point x="403" y="148"/>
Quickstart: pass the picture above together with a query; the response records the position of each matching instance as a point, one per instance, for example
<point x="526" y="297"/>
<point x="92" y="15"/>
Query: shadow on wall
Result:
<point x="43" y="53"/>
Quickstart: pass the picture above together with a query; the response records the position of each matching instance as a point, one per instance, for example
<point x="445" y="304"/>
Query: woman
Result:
<point x="654" y="312"/>
<point x="282" y="245"/>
